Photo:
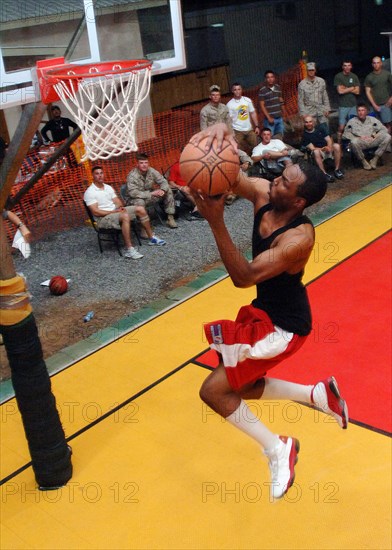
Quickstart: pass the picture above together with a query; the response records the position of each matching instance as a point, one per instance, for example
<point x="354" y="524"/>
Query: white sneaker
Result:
<point x="326" y="397"/>
<point x="133" y="254"/>
<point x="282" y="460"/>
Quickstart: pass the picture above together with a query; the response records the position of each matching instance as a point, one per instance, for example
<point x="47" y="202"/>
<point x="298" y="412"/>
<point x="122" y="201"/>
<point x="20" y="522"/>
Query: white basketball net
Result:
<point x="105" y="108"/>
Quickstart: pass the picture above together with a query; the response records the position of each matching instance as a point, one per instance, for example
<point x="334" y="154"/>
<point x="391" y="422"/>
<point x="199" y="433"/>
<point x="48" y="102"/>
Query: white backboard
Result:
<point x="84" y="31"/>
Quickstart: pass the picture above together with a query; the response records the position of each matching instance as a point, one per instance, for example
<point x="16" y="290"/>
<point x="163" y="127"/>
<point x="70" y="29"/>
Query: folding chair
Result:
<point x="109" y="235"/>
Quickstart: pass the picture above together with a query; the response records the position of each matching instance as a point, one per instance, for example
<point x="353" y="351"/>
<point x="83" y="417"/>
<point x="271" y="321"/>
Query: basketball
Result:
<point x="58" y="285"/>
<point x="212" y="172"/>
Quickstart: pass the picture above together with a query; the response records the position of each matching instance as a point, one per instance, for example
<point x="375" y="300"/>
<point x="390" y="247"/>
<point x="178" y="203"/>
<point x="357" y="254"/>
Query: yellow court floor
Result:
<point x="155" y="468"/>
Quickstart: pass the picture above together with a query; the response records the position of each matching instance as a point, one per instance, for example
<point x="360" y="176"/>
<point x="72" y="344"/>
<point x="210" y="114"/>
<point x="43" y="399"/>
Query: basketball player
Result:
<point x="278" y="321"/>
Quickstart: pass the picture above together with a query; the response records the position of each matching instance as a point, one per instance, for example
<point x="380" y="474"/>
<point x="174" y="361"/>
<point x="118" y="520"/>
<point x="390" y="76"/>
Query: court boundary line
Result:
<point x="317" y="277"/>
<point x="62" y="361"/>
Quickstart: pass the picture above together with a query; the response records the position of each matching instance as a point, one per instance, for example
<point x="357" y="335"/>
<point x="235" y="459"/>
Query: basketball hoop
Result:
<point x="104" y="99"/>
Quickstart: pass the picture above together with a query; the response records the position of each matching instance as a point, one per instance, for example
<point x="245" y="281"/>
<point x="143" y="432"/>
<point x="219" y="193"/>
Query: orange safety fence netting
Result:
<point x="54" y="203"/>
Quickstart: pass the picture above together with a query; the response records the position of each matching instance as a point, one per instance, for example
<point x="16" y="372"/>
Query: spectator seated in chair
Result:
<point x="109" y="212"/>
<point x="366" y="132"/>
<point x="181" y="191"/>
<point x="272" y="154"/>
<point x="321" y="146"/>
<point x="146" y="187"/>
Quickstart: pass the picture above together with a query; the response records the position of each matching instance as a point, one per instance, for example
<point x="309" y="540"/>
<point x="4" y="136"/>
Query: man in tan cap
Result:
<point x="313" y="98"/>
<point x="214" y="111"/>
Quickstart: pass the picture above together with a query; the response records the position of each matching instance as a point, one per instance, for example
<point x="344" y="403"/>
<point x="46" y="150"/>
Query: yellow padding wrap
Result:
<point x="14" y="301"/>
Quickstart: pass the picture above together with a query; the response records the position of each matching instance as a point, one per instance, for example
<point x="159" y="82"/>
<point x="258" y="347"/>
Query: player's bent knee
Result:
<point x="203" y="392"/>
<point x="207" y="391"/>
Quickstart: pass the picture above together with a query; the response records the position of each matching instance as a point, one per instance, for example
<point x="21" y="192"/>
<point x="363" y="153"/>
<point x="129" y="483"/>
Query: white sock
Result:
<point x="243" y="419"/>
<point x="280" y="389"/>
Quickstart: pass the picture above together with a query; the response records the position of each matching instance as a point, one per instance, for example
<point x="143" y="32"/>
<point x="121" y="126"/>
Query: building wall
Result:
<point x="375" y="19"/>
<point x="257" y="38"/>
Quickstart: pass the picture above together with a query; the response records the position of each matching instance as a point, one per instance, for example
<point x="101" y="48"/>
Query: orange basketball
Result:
<point x="58" y="285"/>
<point x="212" y="172"/>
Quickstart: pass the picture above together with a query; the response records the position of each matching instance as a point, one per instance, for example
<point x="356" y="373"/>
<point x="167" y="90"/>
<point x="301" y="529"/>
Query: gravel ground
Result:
<point x="108" y="277"/>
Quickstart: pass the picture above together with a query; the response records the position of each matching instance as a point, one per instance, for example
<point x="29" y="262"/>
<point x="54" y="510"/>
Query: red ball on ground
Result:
<point x="212" y="172"/>
<point x="58" y="285"/>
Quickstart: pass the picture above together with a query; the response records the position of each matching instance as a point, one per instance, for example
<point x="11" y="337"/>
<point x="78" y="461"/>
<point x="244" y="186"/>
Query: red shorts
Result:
<point x="251" y="345"/>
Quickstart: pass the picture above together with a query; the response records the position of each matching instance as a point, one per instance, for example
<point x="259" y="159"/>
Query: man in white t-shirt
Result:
<point x="109" y="212"/>
<point x="243" y="114"/>
<point x="271" y="153"/>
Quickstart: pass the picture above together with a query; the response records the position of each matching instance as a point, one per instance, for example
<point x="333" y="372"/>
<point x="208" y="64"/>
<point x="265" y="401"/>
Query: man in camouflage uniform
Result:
<point x="145" y="186"/>
<point x="313" y="97"/>
<point x="366" y="132"/>
<point x="214" y="111"/>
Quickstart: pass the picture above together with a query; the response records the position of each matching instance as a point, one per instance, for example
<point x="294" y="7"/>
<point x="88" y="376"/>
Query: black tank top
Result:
<point x="283" y="297"/>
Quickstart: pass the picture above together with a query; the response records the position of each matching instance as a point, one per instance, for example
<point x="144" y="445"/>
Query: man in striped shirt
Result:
<point x="271" y="104"/>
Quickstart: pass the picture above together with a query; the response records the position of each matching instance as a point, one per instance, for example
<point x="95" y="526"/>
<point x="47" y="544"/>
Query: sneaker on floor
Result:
<point x="281" y="461"/>
<point x="366" y="165"/>
<point x="329" y="178"/>
<point x="326" y="397"/>
<point x="133" y="254"/>
<point x="156" y="241"/>
<point x="339" y="174"/>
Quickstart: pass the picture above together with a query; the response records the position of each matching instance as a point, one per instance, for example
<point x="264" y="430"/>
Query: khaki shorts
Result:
<point x="112" y="221"/>
<point x="324" y="154"/>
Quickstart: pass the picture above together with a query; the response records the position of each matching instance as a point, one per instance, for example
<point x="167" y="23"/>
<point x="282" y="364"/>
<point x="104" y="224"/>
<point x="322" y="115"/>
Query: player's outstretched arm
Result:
<point x="220" y="131"/>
